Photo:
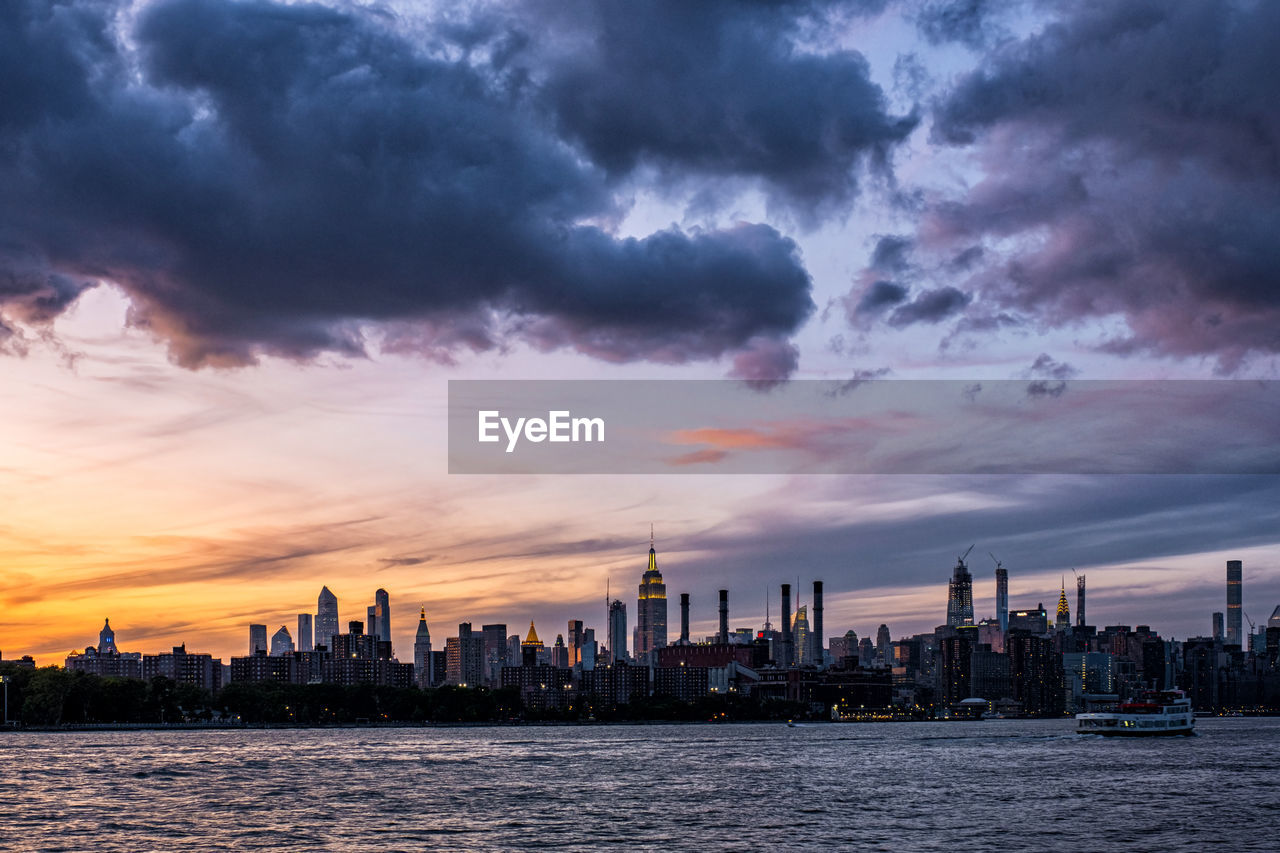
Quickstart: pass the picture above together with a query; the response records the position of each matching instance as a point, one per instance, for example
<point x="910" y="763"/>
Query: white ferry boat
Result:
<point x="1164" y="712"/>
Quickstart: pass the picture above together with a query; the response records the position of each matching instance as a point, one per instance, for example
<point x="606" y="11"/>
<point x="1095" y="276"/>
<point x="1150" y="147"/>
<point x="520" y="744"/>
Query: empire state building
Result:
<point x="651" y="615"/>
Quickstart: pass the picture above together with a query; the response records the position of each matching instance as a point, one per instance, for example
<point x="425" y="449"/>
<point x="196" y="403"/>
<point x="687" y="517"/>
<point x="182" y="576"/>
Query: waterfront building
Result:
<point x="196" y="668"/>
<point x="616" y="684"/>
<point x="1036" y="673"/>
<point x="682" y="683"/>
<point x="989" y="674"/>
<point x="106" y="659"/>
<point x="955" y="676"/>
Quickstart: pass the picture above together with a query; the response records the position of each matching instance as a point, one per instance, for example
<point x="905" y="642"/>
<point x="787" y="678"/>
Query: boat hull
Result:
<point x="1137" y="732"/>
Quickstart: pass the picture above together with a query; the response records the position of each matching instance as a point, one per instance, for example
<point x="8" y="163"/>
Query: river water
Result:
<point x="962" y="786"/>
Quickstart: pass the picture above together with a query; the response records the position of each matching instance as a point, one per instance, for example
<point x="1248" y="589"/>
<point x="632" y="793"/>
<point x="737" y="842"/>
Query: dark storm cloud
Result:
<point x="881" y="295"/>
<point x="718" y="88"/>
<point x="930" y="306"/>
<point x="892" y="253"/>
<point x="1049" y="367"/>
<point x="1133" y="169"/>
<point x="270" y="178"/>
<point x="967" y="21"/>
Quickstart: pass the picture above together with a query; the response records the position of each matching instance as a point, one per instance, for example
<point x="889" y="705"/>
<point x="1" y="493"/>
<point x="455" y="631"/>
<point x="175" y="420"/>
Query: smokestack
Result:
<point x="786" y="626"/>
<point x="684" y="618"/>
<point x="724" y="617"/>
<point x="818" y="657"/>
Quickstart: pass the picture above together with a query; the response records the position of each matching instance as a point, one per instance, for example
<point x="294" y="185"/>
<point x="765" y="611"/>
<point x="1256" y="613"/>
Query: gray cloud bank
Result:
<point x="267" y="178"/>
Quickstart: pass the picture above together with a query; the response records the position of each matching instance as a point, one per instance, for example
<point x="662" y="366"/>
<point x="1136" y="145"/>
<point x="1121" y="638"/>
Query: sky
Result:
<point x="244" y="246"/>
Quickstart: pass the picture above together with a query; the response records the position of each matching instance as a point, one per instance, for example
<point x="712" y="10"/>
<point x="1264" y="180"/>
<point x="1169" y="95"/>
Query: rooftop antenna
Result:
<point x="651" y="535"/>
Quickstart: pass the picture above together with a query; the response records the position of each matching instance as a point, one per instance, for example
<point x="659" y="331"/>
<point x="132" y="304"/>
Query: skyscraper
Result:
<point x="257" y="639"/>
<point x="1235" y="580"/>
<point x="422" y="670"/>
<point x="305" y="633"/>
<point x="281" y="643"/>
<point x="651" y="609"/>
<point x="1063" y="620"/>
<point x="326" y="618"/>
<point x="1217" y="625"/>
<point x="800" y="631"/>
<point x="617" y="630"/>
<point x="884" y="646"/>
<point x="1080" y="601"/>
<point x="960" y="594"/>
<point x="560" y="653"/>
<point x="575" y="640"/>
<point x="531" y="648"/>
<point x="1002" y="597"/>
<point x="382" y="610"/>
<point x="371" y="622"/>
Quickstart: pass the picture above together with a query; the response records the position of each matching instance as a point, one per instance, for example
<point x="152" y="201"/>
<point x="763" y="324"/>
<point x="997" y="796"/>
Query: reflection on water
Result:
<point x="1008" y="785"/>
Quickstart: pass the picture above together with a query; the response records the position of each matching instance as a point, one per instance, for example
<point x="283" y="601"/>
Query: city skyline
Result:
<point x="706" y="625"/>
<point x="225" y="351"/>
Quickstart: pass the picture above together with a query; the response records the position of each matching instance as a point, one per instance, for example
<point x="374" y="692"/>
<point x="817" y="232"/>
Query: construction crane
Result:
<point x="960" y="560"/>
<point x="999" y="565"/>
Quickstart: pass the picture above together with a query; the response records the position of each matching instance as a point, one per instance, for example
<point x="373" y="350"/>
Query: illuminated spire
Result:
<point x="1064" y="611"/>
<point x="532" y="639"/>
